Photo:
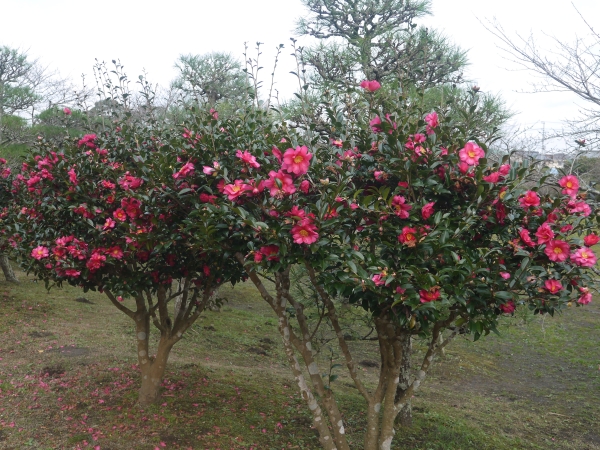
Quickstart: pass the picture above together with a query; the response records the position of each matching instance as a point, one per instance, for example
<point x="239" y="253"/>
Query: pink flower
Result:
<point x="280" y="184"/>
<point x="427" y="210"/>
<point x="120" y="215"/>
<point x="305" y="232"/>
<point x="378" y="279"/>
<point x="72" y="273"/>
<point x="296" y="160"/>
<point x="529" y="199"/>
<point x="39" y="252"/>
<point x="73" y="177"/>
<point x="247" y="158"/>
<point x="109" y="224"/>
<point x="544" y="234"/>
<point x="463" y="167"/>
<point x="400" y="290"/>
<point x="557" y="251"/>
<point x="186" y="170"/>
<point x="131" y="207"/>
<point x="582" y="207"/>
<point x="586" y="296"/>
<point x="207" y="198"/>
<point x="337" y="143"/>
<point x="505" y="275"/>
<point x="305" y="186"/>
<point x="88" y="140"/>
<point x="370" y="86"/>
<point x="508" y="307"/>
<point x="95" y="262"/>
<point x="374" y="124"/>
<point x="471" y="153"/>
<point x="553" y="286"/>
<point x="107" y="184"/>
<point x="591" y="239"/>
<point x="429" y="295"/>
<point x="584" y="257"/>
<point x="296" y="213"/>
<point x="270" y="252"/>
<point x="215" y="115"/>
<point x="504" y="169"/>
<point x="408" y="236"/>
<point x="493" y="177"/>
<point x="277" y="153"/>
<point x="400" y="206"/>
<point x="66" y="111"/>
<point x="570" y="183"/>
<point x="233" y="191"/>
<point x="115" y="252"/>
<point x="524" y="234"/>
<point x="130" y="182"/>
<point x="207" y="170"/>
<point x="432" y="121"/>
<point x="378" y="174"/>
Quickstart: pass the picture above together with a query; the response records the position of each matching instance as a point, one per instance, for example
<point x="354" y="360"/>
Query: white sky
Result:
<point x="69" y="34"/>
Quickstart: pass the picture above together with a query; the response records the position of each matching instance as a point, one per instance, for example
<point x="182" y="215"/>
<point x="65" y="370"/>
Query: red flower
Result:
<point x="95" y="262"/>
<point x="115" y="252"/>
<point x="305" y="232"/>
<point x="120" y="215"/>
<point x="591" y="239"/>
<point x="524" y="234"/>
<point x="507" y="307"/>
<point x="408" y="236"/>
<point x="270" y="252"/>
<point x="557" y="251"/>
<point x="553" y="286"/>
<point x="429" y="295"/>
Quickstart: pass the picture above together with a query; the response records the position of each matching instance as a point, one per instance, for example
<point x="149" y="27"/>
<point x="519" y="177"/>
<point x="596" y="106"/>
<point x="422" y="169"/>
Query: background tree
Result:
<point x="568" y="67"/>
<point x="211" y="79"/>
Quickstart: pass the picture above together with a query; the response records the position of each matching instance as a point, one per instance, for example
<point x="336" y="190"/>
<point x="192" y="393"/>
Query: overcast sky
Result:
<point x="69" y="34"/>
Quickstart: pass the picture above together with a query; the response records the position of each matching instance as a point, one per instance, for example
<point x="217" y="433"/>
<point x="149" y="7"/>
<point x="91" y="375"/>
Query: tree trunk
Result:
<point x="9" y="274"/>
<point x="153" y="373"/>
<point x="405" y="413"/>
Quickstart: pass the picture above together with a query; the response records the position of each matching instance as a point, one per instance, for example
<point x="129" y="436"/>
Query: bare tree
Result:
<point x="567" y="67"/>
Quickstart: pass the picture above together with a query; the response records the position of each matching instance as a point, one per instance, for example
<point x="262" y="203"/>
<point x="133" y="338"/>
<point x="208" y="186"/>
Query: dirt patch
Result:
<point x="368" y="363"/>
<point x="258" y="351"/>
<point x="84" y="300"/>
<point x="40" y="334"/>
<point x="52" y="371"/>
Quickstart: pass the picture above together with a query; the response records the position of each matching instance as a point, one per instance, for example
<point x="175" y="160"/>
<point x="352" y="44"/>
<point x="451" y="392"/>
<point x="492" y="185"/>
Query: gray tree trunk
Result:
<point x="9" y="274"/>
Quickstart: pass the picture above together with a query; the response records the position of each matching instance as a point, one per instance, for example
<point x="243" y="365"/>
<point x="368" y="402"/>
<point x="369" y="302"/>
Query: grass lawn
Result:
<point x="68" y="380"/>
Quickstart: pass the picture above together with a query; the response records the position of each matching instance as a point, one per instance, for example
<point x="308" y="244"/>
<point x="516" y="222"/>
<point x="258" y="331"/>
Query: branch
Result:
<point x="119" y="306"/>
